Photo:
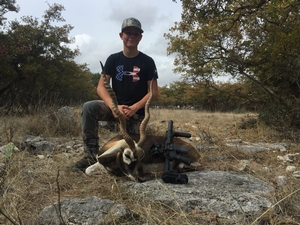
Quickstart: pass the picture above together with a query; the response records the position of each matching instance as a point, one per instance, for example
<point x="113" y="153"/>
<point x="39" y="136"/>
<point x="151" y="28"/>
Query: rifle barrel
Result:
<point x="180" y="134"/>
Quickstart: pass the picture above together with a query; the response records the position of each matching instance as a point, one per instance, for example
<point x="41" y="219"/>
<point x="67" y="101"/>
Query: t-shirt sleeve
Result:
<point x="152" y="74"/>
<point x="108" y="67"/>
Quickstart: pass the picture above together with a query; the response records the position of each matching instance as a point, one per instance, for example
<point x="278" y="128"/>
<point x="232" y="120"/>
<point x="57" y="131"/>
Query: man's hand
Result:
<point x="122" y="109"/>
<point x="129" y="111"/>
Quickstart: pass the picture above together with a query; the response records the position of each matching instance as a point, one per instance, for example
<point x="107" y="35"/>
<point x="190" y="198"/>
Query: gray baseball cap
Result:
<point x="132" y="22"/>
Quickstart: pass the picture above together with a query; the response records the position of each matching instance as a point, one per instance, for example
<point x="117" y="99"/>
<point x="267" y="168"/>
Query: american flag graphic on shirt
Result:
<point x="134" y="73"/>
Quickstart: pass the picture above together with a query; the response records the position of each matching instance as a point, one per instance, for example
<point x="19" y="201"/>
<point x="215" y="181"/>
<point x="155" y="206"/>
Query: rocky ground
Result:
<point x="251" y="176"/>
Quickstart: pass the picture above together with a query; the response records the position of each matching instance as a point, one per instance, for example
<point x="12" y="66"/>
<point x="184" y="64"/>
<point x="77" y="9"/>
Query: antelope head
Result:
<point x="123" y="154"/>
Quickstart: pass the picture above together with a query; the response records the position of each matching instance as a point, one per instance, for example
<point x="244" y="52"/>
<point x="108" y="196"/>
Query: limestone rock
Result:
<point x="281" y="180"/>
<point x="88" y="211"/>
<point x="227" y="194"/>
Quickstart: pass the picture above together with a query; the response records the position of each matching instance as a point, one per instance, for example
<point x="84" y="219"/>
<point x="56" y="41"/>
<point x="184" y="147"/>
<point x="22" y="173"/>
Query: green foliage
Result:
<point x="95" y="79"/>
<point x="38" y="66"/>
<point x="221" y="96"/>
<point x="9" y="150"/>
<point x="7" y="6"/>
<point x="255" y="42"/>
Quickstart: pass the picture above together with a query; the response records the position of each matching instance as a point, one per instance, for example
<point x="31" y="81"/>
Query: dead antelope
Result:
<point x="130" y="155"/>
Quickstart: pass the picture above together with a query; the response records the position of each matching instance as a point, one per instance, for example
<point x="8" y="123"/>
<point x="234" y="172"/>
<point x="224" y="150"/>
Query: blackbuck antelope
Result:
<point x="130" y="154"/>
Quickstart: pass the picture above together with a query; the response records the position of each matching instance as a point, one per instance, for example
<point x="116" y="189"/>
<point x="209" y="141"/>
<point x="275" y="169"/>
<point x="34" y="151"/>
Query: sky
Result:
<point x="97" y="24"/>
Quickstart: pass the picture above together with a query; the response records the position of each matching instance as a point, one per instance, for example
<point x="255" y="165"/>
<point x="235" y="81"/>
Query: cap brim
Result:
<point x="134" y="27"/>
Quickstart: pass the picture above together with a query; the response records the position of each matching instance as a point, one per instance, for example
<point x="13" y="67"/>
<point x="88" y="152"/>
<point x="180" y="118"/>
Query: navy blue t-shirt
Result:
<point x="130" y="76"/>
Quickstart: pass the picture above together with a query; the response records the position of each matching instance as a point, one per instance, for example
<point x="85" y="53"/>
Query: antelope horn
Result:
<point x="120" y="116"/>
<point x="146" y="118"/>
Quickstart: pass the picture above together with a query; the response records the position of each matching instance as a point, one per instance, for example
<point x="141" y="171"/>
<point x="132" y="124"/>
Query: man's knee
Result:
<point x="89" y="106"/>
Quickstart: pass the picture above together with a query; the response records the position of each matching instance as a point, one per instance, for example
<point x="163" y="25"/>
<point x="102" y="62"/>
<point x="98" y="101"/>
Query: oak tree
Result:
<point x="38" y="67"/>
<point x="256" y="42"/>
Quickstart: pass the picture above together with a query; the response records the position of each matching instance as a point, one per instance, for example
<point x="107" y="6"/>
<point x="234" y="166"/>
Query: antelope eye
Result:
<point x="127" y="156"/>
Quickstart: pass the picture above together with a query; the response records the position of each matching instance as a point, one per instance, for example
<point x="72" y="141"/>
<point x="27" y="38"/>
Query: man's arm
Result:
<point x="102" y="92"/>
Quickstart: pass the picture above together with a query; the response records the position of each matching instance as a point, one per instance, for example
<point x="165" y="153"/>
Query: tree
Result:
<point x="256" y="42"/>
<point x="39" y="66"/>
<point x="6" y="6"/>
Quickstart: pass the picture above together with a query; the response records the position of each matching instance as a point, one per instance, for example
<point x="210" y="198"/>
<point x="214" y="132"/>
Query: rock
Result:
<point x="281" y="180"/>
<point x="243" y="164"/>
<point x="88" y="211"/>
<point x="65" y="112"/>
<point x="41" y="156"/>
<point x="42" y="146"/>
<point x="287" y="158"/>
<point x="296" y="174"/>
<point x="46" y="146"/>
<point x="30" y="138"/>
<point x="290" y="168"/>
<point x="227" y="194"/>
<point x="235" y="141"/>
<point x="255" y="147"/>
<point x="68" y="144"/>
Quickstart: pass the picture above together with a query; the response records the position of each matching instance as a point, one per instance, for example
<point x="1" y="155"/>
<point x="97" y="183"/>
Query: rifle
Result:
<point x="171" y="152"/>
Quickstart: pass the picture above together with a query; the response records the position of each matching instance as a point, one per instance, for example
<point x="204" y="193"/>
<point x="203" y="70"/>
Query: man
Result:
<point x="131" y="72"/>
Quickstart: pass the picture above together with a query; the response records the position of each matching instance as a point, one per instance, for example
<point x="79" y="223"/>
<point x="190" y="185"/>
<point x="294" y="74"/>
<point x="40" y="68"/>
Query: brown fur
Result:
<point x="149" y="163"/>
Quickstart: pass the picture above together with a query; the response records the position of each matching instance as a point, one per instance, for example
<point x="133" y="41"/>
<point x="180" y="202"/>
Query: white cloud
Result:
<point x="97" y="25"/>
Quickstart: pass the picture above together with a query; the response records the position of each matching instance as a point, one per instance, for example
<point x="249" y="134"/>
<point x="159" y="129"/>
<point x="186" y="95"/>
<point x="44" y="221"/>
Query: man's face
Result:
<point x="131" y="37"/>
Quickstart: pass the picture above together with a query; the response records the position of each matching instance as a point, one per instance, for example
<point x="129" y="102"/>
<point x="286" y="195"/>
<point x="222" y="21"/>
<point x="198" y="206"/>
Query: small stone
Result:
<point x="281" y="180"/>
<point x="296" y="174"/>
<point x="266" y="169"/>
<point x="290" y="168"/>
<point x="280" y="158"/>
<point x="41" y="156"/>
<point x="79" y="150"/>
<point x="243" y="164"/>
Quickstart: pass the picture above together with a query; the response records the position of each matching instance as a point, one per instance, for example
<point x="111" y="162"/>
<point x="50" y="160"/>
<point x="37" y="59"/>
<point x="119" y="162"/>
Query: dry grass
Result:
<point x="28" y="184"/>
